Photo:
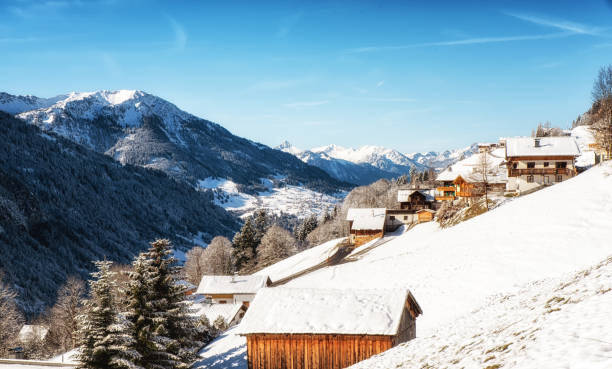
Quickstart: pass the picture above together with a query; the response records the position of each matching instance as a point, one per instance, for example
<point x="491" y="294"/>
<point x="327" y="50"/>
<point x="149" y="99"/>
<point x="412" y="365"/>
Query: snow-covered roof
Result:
<point x="183" y="283"/>
<point x="366" y="219"/>
<point x="404" y="195"/>
<point x="225" y="284"/>
<point x="212" y="311"/>
<point x="30" y="332"/>
<point x="549" y="146"/>
<point x="326" y="311"/>
<point x="467" y="168"/>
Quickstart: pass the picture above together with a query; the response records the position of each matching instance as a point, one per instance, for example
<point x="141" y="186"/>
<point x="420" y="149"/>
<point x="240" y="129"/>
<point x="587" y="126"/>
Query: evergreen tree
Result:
<point x="308" y="225"/>
<point x="166" y="335"/>
<point x="106" y="340"/>
<point x="261" y="225"/>
<point x="244" y="245"/>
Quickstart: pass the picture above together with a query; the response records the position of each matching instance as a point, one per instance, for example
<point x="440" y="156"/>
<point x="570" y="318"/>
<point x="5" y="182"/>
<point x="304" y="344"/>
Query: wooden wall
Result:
<point x="304" y="351"/>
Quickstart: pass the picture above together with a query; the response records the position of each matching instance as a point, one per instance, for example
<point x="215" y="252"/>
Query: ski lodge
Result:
<point x="324" y="328"/>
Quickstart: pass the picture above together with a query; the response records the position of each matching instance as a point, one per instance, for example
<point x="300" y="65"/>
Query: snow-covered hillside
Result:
<point x="454" y="271"/>
<point x="441" y="160"/>
<point x="277" y="198"/>
<point x="18" y="104"/>
<point x="553" y="323"/>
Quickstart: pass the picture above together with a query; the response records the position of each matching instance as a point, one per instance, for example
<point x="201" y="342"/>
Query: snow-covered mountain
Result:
<point x="441" y="160"/>
<point x="344" y="170"/>
<point x="138" y="128"/>
<point x="389" y="160"/>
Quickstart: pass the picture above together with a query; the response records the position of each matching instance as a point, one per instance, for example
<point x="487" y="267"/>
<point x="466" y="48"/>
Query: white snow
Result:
<point x="302" y="261"/>
<point x="525" y="146"/>
<point x="441" y="160"/>
<point x="554" y="323"/>
<point x="225" y="284"/>
<point x="377" y="156"/>
<point x="584" y="137"/>
<point x="367" y="219"/>
<point x="455" y="271"/>
<point x="288" y="199"/>
<point x="226" y="351"/>
<point x="325" y="311"/>
<point x="212" y="311"/>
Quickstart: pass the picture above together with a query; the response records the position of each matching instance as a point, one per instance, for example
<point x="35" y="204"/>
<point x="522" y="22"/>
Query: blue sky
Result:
<point x="412" y="75"/>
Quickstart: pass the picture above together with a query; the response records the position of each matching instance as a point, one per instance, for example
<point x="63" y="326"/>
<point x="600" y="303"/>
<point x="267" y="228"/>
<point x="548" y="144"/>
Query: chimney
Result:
<point x="537" y="142"/>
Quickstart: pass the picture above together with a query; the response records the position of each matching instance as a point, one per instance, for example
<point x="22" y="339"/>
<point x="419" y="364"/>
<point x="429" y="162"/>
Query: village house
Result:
<point x="236" y="289"/>
<point x="412" y="202"/>
<point x="540" y="161"/>
<point x="325" y="329"/>
<point x="366" y="224"/>
<point x="464" y="179"/>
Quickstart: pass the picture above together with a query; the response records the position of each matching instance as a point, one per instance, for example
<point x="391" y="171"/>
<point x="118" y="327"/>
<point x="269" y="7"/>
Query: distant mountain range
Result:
<point x="367" y="164"/>
<point x="137" y="128"/>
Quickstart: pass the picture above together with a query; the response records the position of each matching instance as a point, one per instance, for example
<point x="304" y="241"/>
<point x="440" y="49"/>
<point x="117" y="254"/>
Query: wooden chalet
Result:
<point x="415" y="199"/>
<point x="535" y="162"/>
<point x="366" y="224"/>
<point x="236" y="289"/>
<point x="325" y="329"/>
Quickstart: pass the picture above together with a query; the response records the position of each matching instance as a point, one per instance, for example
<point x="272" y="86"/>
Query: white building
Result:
<point x="535" y="162"/>
<point x="240" y="289"/>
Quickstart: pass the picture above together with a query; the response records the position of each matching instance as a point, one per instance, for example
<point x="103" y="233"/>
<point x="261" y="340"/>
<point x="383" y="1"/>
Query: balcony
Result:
<point x="539" y="171"/>
<point x="445" y="198"/>
<point x="446" y="189"/>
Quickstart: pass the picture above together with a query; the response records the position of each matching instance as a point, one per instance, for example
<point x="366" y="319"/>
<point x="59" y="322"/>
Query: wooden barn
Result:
<point x="325" y="329"/>
<point x="366" y="224"/>
<point x="425" y="215"/>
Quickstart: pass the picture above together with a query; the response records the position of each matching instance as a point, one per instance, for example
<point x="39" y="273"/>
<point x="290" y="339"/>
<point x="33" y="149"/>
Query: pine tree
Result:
<point x="244" y="245"/>
<point x="11" y="319"/>
<point x="166" y="335"/>
<point x="308" y="225"/>
<point x="106" y="340"/>
<point x="261" y="225"/>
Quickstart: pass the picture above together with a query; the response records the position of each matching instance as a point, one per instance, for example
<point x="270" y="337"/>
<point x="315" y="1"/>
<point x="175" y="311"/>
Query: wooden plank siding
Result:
<point x="305" y="351"/>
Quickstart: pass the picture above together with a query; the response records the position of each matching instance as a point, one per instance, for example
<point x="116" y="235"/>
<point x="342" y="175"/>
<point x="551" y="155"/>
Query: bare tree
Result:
<point x="11" y="319"/>
<point x="216" y="259"/>
<point x="63" y="322"/>
<point x="602" y="104"/>
<point x="277" y="244"/>
<point x="484" y="172"/>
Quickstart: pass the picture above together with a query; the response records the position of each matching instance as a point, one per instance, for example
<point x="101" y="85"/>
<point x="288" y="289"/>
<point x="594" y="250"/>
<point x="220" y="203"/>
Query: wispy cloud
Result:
<point x="380" y="83"/>
<point x="306" y="104"/>
<point x="564" y="25"/>
<point x="180" y="36"/>
<point x="467" y="41"/>
<point x="287" y="24"/>
<point x="276" y="85"/>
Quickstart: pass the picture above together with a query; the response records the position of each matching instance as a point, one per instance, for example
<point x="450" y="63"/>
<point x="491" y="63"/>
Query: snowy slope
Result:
<point x="554" y="323"/>
<point x="584" y="137"/>
<point x="453" y="271"/>
<point x="19" y="104"/>
<point x="276" y="198"/>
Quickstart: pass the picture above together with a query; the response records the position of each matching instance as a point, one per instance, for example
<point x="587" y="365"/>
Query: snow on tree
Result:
<point x="193" y="270"/>
<point x="11" y="319"/>
<point x="277" y="244"/>
<point x="166" y="335"/>
<point x="244" y="245"/>
<point x="308" y="225"/>
<point x="261" y="224"/>
<point x="484" y="171"/>
<point x="105" y="335"/>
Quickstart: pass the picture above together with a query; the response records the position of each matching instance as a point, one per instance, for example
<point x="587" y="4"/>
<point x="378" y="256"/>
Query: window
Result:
<point x="559" y="178"/>
<point x="561" y="164"/>
<point x="222" y="302"/>
<point x="531" y="164"/>
<point x="545" y="164"/>
<point x="546" y="180"/>
<point x="529" y="179"/>
<point x="392" y="217"/>
<point x="405" y="217"/>
<point x="514" y="165"/>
